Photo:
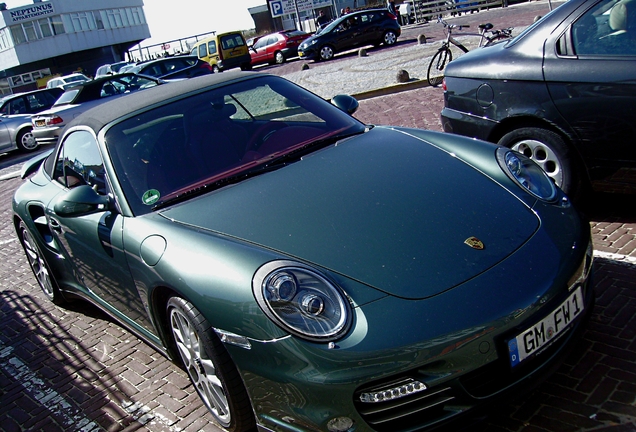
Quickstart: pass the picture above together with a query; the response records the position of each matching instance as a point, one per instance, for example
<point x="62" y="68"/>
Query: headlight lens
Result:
<point x="301" y="300"/>
<point x="527" y="174"/>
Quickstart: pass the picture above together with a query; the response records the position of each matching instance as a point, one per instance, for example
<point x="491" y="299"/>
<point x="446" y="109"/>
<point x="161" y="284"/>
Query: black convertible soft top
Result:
<point x="96" y="118"/>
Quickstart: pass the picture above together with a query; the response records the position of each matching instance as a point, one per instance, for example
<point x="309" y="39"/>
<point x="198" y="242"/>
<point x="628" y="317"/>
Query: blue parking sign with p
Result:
<point x="277" y="8"/>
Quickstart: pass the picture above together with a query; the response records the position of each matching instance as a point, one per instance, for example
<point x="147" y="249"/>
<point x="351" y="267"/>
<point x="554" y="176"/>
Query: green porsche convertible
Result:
<point x="310" y="272"/>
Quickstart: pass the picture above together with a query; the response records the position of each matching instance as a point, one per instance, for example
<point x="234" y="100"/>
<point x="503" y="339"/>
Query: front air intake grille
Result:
<point x="405" y="413"/>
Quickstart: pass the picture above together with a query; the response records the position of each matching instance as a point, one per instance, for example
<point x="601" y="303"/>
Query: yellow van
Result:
<point x="224" y="51"/>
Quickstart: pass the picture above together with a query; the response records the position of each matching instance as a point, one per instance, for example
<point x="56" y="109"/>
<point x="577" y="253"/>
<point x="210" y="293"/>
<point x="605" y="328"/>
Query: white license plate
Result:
<point x="540" y="335"/>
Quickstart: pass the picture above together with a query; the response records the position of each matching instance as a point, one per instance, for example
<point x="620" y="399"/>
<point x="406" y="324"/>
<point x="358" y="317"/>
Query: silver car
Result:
<point x="16" y="133"/>
<point x="48" y="125"/>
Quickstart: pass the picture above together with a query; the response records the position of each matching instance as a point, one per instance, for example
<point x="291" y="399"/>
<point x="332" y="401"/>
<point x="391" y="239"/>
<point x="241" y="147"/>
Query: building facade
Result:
<point x="64" y="36"/>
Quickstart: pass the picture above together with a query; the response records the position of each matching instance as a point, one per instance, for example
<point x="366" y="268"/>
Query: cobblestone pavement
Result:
<point x="73" y="369"/>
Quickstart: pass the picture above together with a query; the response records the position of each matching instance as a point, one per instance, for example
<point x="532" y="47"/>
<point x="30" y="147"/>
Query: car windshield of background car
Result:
<point x="228" y="42"/>
<point x="202" y="140"/>
<point x="67" y="97"/>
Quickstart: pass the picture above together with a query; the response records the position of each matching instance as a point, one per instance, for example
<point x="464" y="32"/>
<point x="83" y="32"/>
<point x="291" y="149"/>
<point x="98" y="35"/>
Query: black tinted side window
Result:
<point x="609" y="28"/>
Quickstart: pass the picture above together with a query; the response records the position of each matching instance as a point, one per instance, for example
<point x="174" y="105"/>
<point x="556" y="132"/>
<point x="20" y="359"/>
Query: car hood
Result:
<point x="384" y="208"/>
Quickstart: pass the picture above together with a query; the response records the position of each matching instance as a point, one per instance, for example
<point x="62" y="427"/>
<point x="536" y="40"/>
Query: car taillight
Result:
<point x="53" y="120"/>
<point x="444" y="84"/>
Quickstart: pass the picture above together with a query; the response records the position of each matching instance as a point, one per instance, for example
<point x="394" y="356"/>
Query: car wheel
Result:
<point x="279" y="58"/>
<point x="326" y="53"/>
<point x="209" y="366"/>
<point x="39" y="266"/>
<point x="389" y="38"/>
<point x="215" y="69"/>
<point x="551" y="152"/>
<point x="26" y="141"/>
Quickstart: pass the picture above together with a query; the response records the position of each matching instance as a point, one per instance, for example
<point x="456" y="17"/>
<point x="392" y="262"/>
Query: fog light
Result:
<point x="339" y="424"/>
<point x="396" y="392"/>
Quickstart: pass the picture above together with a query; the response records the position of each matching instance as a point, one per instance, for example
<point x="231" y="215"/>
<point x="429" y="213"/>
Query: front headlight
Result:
<point x="527" y="174"/>
<point x="301" y="300"/>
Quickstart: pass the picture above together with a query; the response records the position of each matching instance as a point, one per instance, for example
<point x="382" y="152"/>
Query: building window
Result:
<point x="4" y="40"/>
<point x="17" y="33"/>
<point x="115" y="19"/>
<point x="136" y="16"/>
<point x="32" y="31"/>
<point x="45" y="27"/>
<point x="81" y="21"/>
<point x="97" y="16"/>
<point x="58" y="25"/>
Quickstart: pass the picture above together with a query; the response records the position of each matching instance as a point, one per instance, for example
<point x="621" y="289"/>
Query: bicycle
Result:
<point x="444" y="55"/>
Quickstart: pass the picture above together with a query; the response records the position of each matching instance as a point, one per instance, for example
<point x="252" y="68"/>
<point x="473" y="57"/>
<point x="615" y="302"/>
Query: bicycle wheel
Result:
<point x="496" y="39"/>
<point x="437" y="65"/>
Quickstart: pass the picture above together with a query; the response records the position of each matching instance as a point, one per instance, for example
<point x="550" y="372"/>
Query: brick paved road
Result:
<point x="73" y="369"/>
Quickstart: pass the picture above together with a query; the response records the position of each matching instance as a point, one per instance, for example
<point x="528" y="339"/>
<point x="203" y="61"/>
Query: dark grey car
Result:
<point x="368" y="27"/>
<point x="563" y="92"/>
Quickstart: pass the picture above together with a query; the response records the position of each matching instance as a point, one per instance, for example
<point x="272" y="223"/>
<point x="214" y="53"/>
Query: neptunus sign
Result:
<point x="31" y="12"/>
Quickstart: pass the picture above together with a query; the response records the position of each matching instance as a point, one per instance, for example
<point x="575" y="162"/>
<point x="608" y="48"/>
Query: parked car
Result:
<point x="306" y="268"/>
<point x="171" y="68"/>
<point x="110" y="69"/>
<point x="48" y="124"/>
<point x="562" y="92"/>
<point x="368" y="27"/>
<point x="29" y="102"/>
<point x="224" y="51"/>
<point x="67" y="81"/>
<point x="16" y="130"/>
<point x="276" y="48"/>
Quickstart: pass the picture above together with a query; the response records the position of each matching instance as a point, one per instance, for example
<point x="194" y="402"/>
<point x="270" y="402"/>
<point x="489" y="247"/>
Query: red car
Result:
<point x="276" y="48"/>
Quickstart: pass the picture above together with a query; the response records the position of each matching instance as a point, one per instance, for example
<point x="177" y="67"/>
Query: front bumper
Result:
<point x="455" y="343"/>
<point x="309" y="53"/>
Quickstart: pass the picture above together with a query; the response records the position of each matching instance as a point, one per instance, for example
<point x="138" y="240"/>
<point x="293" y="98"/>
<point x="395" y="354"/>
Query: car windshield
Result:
<point x="67" y="97"/>
<point x="211" y="139"/>
<point x="332" y="25"/>
<point x="75" y="78"/>
<point x="99" y="89"/>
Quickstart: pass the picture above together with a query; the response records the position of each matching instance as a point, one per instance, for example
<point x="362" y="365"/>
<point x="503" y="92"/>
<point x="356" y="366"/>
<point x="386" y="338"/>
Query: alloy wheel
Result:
<point x="200" y="367"/>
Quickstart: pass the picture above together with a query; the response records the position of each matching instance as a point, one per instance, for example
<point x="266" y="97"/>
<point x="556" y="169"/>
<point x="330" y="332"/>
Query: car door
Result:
<point x="5" y="137"/>
<point x="589" y="70"/>
<point x="259" y="50"/>
<point x="368" y="31"/>
<point x="345" y="36"/>
<point x="92" y="242"/>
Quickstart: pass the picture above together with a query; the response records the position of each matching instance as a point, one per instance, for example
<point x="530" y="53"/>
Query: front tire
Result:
<point x="437" y="66"/>
<point x="326" y="53"/>
<point x="26" y="141"/>
<point x="550" y="152"/>
<point x="209" y="366"/>
<point x="39" y="266"/>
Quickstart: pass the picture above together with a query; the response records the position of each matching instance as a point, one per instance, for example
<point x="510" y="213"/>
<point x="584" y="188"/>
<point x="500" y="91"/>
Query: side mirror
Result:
<point x="346" y="103"/>
<point x="81" y="200"/>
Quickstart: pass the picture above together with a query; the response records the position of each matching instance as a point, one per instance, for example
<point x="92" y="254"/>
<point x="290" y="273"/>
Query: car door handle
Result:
<point x="55" y="225"/>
